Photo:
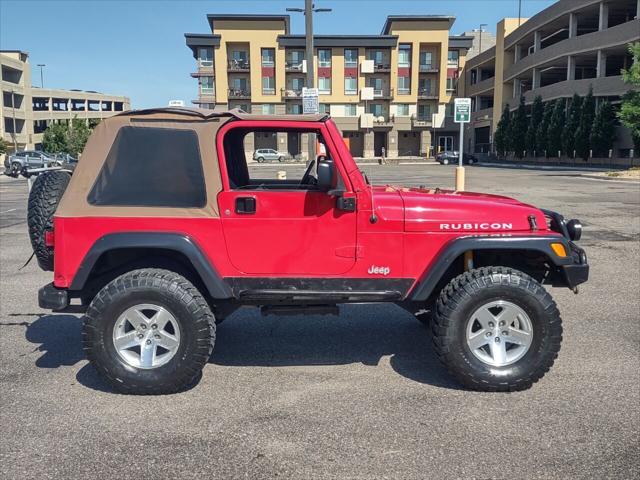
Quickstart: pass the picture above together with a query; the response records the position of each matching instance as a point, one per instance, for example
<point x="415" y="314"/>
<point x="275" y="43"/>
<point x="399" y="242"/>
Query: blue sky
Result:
<point x="136" y="47"/>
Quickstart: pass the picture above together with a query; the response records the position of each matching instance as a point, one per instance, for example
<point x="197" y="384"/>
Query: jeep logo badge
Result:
<point x="373" y="270"/>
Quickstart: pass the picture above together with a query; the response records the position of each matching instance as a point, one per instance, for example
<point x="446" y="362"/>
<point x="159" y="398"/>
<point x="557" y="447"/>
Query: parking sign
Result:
<point x="462" y="110"/>
<point x="309" y="100"/>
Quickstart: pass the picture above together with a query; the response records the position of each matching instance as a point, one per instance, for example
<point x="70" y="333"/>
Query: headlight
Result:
<point x="574" y="227"/>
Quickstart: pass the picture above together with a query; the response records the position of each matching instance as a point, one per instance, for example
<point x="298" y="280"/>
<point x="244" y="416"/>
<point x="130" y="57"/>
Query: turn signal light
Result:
<point x="559" y="249"/>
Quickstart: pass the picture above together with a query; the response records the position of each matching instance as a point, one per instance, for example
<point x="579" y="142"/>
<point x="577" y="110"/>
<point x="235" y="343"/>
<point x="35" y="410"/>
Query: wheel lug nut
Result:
<point x="505" y="333"/>
<point x="497" y="339"/>
<point x="491" y="324"/>
<point x="143" y="326"/>
<point x="154" y="326"/>
<point x="148" y="342"/>
<point x="488" y="334"/>
<point x="157" y="336"/>
<point x="501" y="324"/>
<point x="140" y="336"/>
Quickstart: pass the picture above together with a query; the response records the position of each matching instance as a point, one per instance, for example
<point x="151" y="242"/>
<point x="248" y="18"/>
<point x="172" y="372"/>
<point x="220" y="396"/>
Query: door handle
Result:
<point x="245" y="205"/>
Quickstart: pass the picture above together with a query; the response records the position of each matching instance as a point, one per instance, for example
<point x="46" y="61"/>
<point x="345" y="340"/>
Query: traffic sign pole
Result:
<point x="462" y="115"/>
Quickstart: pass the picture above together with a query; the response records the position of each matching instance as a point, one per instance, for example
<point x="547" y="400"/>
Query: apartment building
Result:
<point x="26" y="111"/>
<point x="392" y="91"/>
<point x="568" y="48"/>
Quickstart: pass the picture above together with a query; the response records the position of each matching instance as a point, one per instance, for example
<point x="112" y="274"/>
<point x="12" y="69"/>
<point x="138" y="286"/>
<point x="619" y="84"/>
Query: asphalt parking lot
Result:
<point x="356" y="396"/>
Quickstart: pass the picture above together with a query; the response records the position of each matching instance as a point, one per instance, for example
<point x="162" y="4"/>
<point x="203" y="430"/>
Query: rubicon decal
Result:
<point x="476" y="226"/>
<point x="374" y="270"/>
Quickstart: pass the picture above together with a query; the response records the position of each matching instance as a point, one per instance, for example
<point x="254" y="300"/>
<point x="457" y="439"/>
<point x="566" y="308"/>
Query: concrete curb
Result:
<point x="542" y="167"/>
<point x="612" y="179"/>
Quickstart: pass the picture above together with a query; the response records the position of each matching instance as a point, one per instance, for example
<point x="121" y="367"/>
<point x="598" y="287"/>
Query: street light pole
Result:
<point x="309" y="9"/>
<point x="41" y="65"/>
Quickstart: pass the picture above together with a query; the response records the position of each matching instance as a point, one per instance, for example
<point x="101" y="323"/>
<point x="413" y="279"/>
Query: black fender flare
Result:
<point x="456" y="247"/>
<point x="169" y="241"/>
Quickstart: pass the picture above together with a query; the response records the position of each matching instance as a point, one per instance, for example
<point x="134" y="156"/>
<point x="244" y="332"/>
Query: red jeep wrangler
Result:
<point x="163" y="231"/>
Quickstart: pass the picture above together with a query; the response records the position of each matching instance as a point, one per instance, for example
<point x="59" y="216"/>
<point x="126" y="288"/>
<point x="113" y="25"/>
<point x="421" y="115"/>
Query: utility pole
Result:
<point x="309" y="9"/>
<point x="41" y="65"/>
<point x="519" y="12"/>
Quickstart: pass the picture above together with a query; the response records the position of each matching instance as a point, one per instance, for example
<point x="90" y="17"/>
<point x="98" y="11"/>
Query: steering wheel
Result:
<point x="307" y="178"/>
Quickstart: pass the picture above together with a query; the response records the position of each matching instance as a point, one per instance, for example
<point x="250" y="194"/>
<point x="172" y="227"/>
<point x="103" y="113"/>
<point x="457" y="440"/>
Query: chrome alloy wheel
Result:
<point x="146" y="336"/>
<point x="499" y="333"/>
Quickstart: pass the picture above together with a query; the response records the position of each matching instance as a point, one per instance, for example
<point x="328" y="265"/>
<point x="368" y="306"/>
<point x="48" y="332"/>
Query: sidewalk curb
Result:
<point x="612" y="179"/>
<point x="529" y="166"/>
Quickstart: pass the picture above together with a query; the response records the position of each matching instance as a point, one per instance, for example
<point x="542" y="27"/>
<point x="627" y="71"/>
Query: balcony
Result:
<point x="383" y="93"/>
<point x="427" y="94"/>
<point x="205" y="69"/>
<point x="205" y="98"/>
<point x="421" y="121"/>
<point x="378" y="67"/>
<point x="429" y="68"/>
<point x="294" y="67"/>
<point x="238" y="66"/>
<point x="239" y="93"/>
<point x="383" y="121"/>
<point x="290" y="93"/>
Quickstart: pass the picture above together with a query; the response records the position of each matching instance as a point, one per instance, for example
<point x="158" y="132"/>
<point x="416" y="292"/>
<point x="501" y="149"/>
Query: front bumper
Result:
<point x="52" y="298"/>
<point x="578" y="271"/>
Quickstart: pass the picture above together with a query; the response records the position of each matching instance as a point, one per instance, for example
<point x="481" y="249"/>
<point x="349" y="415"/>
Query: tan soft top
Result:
<point x="204" y="122"/>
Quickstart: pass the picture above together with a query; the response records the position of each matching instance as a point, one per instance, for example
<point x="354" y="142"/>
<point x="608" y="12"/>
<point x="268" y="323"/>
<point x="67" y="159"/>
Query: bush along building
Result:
<point x="392" y="91"/>
<point x="565" y="64"/>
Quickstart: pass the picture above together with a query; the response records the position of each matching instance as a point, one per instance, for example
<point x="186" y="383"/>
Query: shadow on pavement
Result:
<point x="361" y="334"/>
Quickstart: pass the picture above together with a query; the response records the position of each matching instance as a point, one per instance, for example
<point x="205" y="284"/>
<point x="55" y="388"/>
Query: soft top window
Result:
<point x="154" y="167"/>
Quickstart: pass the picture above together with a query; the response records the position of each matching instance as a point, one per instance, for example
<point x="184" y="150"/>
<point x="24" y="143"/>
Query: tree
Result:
<point x="542" y="145"/>
<point x="603" y="131"/>
<point x="4" y="146"/>
<point x="501" y="135"/>
<point x="571" y="125"/>
<point x="77" y="137"/>
<point x="537" y="111"/>
<point x="584" y="127"/>
<point x="629" y="113"/>
<point x="518" y="130"/>
<point x="66" y="138"/>
<point x="54" y="139"/>
<point x="554" y="130"/>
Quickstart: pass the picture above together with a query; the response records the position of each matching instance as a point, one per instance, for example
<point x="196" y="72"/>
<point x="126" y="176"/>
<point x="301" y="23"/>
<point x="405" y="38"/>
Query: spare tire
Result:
<point x="46" y="192"/>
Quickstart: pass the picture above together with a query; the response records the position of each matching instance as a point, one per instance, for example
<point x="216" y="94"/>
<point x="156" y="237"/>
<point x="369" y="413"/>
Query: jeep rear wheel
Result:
<point x="149" y="331"/>
<point x="496" y="329"/>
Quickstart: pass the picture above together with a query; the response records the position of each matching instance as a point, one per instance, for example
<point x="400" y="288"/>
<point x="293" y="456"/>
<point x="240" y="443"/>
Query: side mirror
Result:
<point x="327" y="178"/>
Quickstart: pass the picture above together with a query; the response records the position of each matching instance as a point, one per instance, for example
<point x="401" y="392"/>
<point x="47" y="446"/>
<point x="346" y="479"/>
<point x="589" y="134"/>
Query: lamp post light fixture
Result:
<point x="41" y="65"/>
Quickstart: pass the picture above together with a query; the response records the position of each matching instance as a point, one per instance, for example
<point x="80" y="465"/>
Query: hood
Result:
<point x="447" y="211"/>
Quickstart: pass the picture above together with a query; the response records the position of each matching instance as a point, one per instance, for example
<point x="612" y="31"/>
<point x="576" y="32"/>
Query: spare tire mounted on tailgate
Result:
<point x="44" y="197"/>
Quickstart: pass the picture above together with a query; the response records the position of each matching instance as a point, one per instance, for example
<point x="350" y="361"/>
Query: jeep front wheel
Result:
<point x="149" y="332"/>
<point x="496" y="329"/>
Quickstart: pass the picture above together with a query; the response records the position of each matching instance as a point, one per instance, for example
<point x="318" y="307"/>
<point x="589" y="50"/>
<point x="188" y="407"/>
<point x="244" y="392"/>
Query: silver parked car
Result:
<point x="268" y="155"/>
<point x="19" y="162"/>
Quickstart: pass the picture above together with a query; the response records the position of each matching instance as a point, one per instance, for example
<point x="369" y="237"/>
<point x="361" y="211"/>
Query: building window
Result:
<point x="239" y="86"/>
<point x="350" y="110"/>
<point x="205" y="57"/>
<point x="376" y="109"/>
<point x="324" y="57"/>
<point x="268" y="57"/>
<point x="268" y="85"/>
<point x="452" y="84"/>
<point x="403" y="109"/>
<point x="208" y="106"/>
<point x="268" y="109"/>
<point x="424" y="112"/>
<point x="324" y="85"/>
<point x="296" y="109"/>
<point x="350" y="85"/>
<point x="297" y="83"/>
<point x="449" y="110"/>
<point x="239" y="59"/>
<point x="404" y="85"/>
<point x="404" y="56"/>
<point x="452" y="59"/>
<point x="350" y="57"/>
<point x="426" y="60"/>
<point x="425" y="87"/>
<point x="295" y="59"/>
<point x="206" y="85"/>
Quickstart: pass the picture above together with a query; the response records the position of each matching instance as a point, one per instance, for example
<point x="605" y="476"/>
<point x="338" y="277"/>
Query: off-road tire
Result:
<point x="456" y="304"/>
<point x="45" y="195"/>
<point x="178" y="296"/>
